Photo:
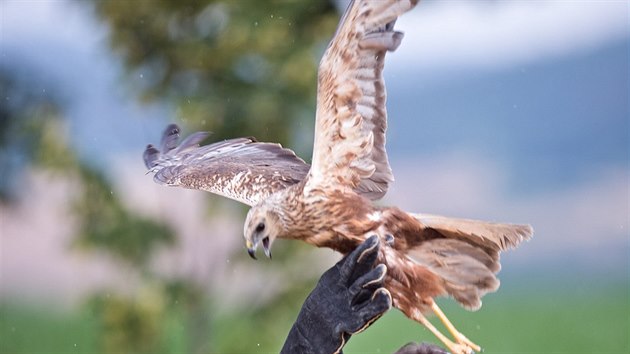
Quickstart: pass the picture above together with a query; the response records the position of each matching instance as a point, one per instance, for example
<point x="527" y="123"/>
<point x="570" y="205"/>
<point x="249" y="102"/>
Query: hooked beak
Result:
<point x="251" y="248"/>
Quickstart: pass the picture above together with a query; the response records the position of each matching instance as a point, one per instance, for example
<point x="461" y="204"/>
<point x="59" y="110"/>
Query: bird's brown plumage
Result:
<point x="241" y="169"/>
<point x="329" y="205"/>
<point x="457" y="258"/>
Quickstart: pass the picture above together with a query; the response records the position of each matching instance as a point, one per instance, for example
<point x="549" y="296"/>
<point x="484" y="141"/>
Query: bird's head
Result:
<point x="261" y="226"/>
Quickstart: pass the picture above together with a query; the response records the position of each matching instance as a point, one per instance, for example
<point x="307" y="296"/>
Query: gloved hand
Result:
<point x="348" y="298"/>
<point x="424" y="348"/>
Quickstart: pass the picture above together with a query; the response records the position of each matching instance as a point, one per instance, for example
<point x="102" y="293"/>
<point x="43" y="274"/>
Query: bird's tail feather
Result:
<point x="491" y="235"/>
<point x="466" y="254"/>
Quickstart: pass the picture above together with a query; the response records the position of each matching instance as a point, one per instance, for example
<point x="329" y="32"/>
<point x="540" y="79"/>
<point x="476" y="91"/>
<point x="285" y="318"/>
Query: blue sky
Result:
<point x="505" y="110"/>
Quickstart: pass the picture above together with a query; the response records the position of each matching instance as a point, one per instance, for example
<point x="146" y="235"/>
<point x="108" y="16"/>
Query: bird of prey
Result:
<point x="329" y="204"/>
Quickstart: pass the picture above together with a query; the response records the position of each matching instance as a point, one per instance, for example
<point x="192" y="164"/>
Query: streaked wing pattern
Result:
<point x="241" y="169"/>
<point x="349" y="149"/>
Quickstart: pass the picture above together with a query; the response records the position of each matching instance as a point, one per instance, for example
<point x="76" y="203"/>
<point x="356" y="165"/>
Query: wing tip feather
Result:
<point x="519" y="233"/>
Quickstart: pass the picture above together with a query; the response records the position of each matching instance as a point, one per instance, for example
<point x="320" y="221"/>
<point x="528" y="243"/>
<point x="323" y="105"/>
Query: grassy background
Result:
<point x="589" y="320"/>
<point x="593" y="321"/>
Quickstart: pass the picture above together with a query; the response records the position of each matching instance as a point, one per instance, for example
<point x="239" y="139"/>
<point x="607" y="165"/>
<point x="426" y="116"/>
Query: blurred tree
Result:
<point x="32" y="131"/>
<point x="107" y="225"/>
<point x="233" y="67"/>
<point x="33" y="136"/>
<point x="21" y="112"/>
<point x="236" y="68"/>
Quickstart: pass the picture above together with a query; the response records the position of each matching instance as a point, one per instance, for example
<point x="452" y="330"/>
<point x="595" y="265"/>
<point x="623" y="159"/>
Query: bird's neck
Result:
<point x="328" y="220"/>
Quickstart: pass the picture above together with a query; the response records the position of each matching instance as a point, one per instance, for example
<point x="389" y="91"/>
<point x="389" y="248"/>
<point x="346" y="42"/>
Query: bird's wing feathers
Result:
<point x="349" y="149"/>
<point x="241" y="169"/>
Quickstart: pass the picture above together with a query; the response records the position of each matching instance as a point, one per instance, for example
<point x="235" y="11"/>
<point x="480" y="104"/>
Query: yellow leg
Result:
<point x="454" y="348"/>
<point x="459" y="338"/>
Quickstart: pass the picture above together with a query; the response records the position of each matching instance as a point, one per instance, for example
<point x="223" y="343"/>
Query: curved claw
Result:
<point x="252" y="253"/>
<point x="266" y="248"/>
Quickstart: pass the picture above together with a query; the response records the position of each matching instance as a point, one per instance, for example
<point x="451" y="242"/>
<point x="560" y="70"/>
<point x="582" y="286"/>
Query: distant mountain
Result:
<point x="552" y="122"/>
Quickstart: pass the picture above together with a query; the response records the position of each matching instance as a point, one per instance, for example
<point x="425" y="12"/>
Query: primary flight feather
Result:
<point x="329" y="204"/>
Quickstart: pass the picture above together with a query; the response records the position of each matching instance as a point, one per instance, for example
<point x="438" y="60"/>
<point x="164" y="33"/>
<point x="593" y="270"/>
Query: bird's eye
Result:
<point x="260" y="227"/>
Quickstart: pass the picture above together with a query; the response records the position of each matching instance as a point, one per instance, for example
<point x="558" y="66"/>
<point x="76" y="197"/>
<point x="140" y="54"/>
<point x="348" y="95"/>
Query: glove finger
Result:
<point x="359" y="261"/>
<point x="363" y="296"/>
<point x="367" y="283"/>
<point x="372" y="311"/>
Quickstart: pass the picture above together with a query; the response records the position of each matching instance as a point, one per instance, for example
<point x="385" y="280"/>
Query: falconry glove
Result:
<point x="348" y="298"/>
<point x="424" y="348"/>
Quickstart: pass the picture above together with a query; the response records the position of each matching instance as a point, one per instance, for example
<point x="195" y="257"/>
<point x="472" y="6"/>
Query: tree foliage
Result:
<point x="236" y="68"/>
<point x="33" y="136"/>
<point x="23" y="113"/>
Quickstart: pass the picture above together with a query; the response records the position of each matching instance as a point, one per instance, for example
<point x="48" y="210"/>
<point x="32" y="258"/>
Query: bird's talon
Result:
<point x="461" y="339"/>
<point x="457" y="348"/>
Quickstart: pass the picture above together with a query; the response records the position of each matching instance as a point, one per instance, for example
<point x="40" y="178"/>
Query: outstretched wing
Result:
<point x="241" y="169"/>
<point x="349" y="150"/>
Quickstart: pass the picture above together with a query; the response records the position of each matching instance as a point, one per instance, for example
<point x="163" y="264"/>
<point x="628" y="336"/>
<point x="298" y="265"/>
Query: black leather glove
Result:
<point x="424" y="348"/>
<point x="348" y="298"/>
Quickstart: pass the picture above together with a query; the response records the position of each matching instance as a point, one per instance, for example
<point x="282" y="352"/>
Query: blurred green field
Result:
<point x="589" y="321"/>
